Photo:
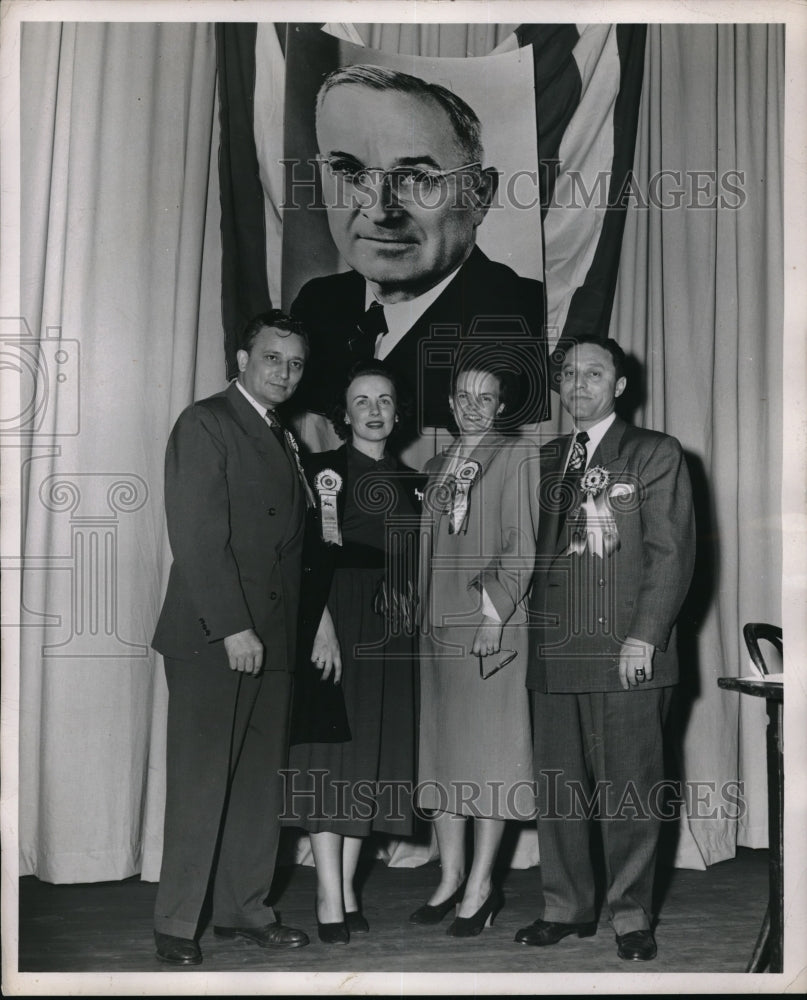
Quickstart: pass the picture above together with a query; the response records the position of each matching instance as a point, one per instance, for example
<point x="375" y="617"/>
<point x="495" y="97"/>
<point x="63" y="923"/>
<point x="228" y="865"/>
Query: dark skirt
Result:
<point x="364" y="784"/>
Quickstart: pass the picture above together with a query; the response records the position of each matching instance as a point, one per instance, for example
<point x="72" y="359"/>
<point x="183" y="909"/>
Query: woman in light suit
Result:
<point x="475" y="757"/>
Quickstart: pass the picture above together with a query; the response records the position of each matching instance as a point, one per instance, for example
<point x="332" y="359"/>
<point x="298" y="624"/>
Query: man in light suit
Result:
<point x="612" y="572"/>
<point x="405" y="189"/>
<point x="235" y="507"/>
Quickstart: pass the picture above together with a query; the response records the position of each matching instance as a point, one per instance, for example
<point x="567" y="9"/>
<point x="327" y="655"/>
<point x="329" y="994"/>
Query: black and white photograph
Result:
<point x="403" y="453"/>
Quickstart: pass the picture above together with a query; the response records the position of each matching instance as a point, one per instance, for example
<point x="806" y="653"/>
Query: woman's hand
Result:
<point x="488" y="637"/>
<point x="325" y="655"/>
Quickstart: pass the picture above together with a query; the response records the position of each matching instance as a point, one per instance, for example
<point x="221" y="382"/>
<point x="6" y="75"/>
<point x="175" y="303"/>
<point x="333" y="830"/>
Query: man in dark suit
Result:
<point x="615" y="559"/>
<point x="405" y="191"/>
<point x="235" y="505"/>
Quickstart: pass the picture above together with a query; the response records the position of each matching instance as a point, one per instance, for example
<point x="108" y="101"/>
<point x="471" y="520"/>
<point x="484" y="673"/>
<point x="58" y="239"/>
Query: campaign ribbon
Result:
<point x="292" y="443"/>
<point x="328" y="485"/>
<point x="464" y="478"/>
<point x="592" y="525"/>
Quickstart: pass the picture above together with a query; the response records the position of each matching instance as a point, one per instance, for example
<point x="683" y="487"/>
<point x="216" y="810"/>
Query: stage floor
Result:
<point x="708" y="923"/>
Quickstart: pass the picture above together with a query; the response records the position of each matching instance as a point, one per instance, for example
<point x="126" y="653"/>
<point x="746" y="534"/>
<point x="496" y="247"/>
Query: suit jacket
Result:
<point x="235" y="511"/>
<point x="496" y="550"/>
<point x="484" y="298"/>
<point x="583" y="607"/>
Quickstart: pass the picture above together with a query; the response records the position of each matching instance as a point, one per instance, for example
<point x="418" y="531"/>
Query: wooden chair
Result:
<point x="752" y="633"/>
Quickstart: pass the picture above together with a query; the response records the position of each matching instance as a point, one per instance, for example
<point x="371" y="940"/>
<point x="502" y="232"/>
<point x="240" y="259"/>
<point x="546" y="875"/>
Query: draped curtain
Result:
<point x="699" y="302"/>
<point x="121" y="252"/>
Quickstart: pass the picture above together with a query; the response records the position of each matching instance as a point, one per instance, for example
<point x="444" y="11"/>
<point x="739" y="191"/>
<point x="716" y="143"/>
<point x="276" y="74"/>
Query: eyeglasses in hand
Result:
<point x="508" y="655"/>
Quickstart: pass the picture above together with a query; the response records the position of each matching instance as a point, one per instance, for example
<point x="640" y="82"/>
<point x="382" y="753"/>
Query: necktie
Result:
<point x="372" y="323"/>
<point x="578" y="457"/>
<point x="275" y="425"/>
<point x="570" y="489"/>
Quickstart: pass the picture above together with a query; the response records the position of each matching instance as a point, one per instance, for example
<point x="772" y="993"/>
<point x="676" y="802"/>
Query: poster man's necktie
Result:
<point x="570" y="490"/>
<point x="372" y="324"/>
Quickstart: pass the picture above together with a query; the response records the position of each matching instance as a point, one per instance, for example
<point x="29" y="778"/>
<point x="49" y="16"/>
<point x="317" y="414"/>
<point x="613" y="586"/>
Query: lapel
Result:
<point x="483" y="453"/>
<point x="448" y="310"/>
<point x="355" y="293"/>
<point x="257" y="430"/>
<point x="608" y="451"/>
<point x="553" y="457"/>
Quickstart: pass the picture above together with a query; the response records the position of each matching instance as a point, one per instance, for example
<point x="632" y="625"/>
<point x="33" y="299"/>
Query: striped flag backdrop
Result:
<point x="588" y="82"/>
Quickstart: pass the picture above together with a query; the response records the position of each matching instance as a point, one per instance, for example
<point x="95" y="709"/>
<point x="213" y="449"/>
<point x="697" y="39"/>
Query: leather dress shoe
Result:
<point x="177" y="950"/>
<point x="356" y="922"/>
<point x="546" y="932"/>
<point x="271" y="936"/>
<point x="637" y="946"/>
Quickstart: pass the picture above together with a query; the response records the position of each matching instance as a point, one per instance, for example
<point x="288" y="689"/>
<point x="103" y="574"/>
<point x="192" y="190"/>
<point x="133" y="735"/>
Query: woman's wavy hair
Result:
<point x="403" y="402"/>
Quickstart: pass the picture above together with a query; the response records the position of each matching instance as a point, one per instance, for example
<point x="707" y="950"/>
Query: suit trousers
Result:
<point x="599" y="755"/>
<point x="227" y="739"/>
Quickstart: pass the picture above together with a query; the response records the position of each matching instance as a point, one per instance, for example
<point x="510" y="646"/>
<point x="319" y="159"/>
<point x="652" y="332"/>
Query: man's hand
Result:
<point x="326" y="655"/>
<point x="488" y="637"/>
<point x="244" y="651"/>
<point x="635" y="663"/>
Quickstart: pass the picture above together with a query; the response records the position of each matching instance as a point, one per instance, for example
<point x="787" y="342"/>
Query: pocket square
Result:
<point x="621" y="490"/>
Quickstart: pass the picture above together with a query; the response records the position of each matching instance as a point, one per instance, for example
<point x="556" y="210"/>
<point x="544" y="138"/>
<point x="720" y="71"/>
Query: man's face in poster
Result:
<point x="402" y="238"/>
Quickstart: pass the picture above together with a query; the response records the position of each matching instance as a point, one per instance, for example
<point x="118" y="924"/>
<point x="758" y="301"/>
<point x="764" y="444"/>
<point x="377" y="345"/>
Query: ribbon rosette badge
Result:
<point x="595" y="527"/>
<point x="594" y="481"/>
<point x="464" y="478"/>
<point x="328" y="485"/>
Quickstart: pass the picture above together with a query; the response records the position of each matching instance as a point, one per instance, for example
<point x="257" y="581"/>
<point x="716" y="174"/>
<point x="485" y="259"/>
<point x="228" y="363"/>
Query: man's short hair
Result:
<point x="607" y="344"/>
<point x="464" y="120"/>
<point x="274" y="319"/>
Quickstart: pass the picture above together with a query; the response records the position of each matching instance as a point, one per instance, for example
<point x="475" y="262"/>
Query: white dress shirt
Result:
<point x="595" y="435"/>
<point x="402" y="316"/>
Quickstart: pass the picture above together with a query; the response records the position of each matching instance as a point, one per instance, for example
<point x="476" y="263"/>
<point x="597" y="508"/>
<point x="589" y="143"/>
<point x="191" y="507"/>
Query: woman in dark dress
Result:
<point x="353" y="728"/>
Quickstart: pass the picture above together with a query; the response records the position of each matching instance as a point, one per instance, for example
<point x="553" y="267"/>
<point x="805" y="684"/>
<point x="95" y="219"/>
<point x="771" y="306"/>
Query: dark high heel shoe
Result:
<point x="484" y="916"/>
<point x="335" y="933"/>
<point x="427" y="914"/>
<point x="356" y="922"/>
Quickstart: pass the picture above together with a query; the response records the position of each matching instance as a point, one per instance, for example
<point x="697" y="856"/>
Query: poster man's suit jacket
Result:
<point x="483" y="296"/>
<point x="582" y="606"/>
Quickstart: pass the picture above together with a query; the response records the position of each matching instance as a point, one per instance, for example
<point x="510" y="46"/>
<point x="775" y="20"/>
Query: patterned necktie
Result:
<point x="372" y="323"/>
<point x="579" y="456"/>
<point x="570" y="489"/>
<point x="275" y="425"/>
